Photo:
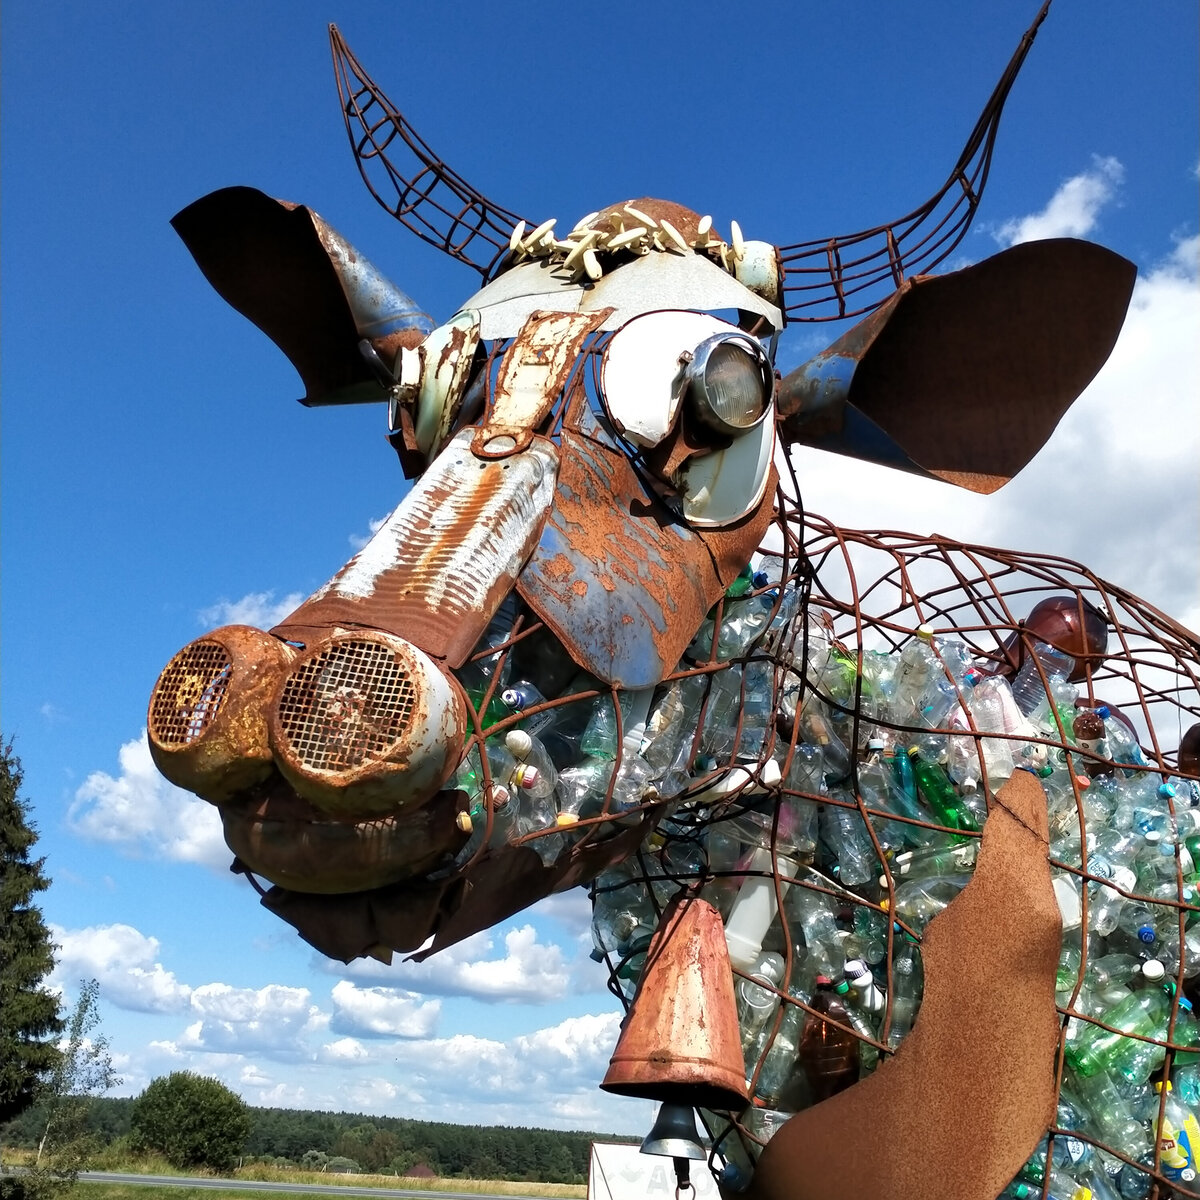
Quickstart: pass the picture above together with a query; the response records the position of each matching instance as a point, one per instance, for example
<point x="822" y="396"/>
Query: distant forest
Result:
<point x="349" y="1141"/>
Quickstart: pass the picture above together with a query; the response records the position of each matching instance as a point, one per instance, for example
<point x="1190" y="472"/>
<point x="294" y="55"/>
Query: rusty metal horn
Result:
<point x="963" y="377"/>
<point x="305" y="287"/>
<point x="681" y="1043"/>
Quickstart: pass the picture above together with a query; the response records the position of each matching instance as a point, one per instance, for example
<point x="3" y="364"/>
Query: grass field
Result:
<point x="109" y="1191"/>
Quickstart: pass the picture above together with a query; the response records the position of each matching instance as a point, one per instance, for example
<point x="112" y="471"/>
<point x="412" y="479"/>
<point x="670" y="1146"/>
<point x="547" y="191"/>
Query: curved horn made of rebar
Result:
<point x="432" y="200"/>
<point x="824" y="283"/>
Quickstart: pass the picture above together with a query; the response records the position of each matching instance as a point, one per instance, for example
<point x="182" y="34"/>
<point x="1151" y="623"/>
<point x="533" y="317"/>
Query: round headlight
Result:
<point x="730" y="382"/>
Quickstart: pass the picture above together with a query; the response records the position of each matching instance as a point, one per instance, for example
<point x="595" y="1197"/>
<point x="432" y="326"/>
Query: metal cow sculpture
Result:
<point x="599" y="642"/>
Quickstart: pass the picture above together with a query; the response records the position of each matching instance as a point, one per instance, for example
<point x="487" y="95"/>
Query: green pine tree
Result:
<point x="30" y="1019"/>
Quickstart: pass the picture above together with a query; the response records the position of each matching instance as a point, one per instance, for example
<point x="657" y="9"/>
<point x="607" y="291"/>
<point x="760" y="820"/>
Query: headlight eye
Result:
<point x="729" y="383"/>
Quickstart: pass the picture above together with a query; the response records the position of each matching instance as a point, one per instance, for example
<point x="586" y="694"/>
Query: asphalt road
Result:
<point x="251" y="1185"/>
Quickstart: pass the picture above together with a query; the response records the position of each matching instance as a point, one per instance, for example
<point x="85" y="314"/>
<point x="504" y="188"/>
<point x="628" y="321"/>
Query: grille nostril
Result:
<point x="190" y="693"/>
<point x="207" y="721"/>
<point x="347" y="707"/>
<point x="366" y="724"/>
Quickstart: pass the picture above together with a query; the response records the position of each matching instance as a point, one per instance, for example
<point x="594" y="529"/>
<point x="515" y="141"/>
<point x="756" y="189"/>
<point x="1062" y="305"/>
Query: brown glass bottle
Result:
<point x="828" y="1056"/>
<point x="1070" y="624"/>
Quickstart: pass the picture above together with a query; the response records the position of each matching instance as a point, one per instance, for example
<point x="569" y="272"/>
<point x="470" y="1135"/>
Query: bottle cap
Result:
<point x="1102" y="711"/>
<point x="1145" y="934"/>
<point x="1158" y="1086"/>
<point x="971" y="676"/>
<point x="526" y="776"/>
<point x="842" y="988"/>
<point x="1045" y="772"/>
<point x="1166" y="791"/>
<point x="463" y="821"/>
<point x="823" y="981"/>
<point x="913" y="751"/>
<point x="1153" y="836"/>
<point x="513" y="698"/>
<point x="519" y="743"/>
<point x="1153" y="970"/>
<point x="875" y="743"/>
<point x="925" y="632"/>
<point x="855" y="969"/>
<point x="500" y="797"/>
<point x="566" y="819"/>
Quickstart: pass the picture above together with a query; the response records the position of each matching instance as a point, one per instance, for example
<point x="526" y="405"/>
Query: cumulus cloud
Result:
<point x="259" y="609"/>
<point x="139" y="811"/>
<point x="1073" y="210"/>
<point x="125" y="964"/>
<point x="272" y="1020"/>
<point x="529" y="972"/>
<point x="345" y="1051"/>
<point x="382" y="1012"/>
<point x="358" y="540"/>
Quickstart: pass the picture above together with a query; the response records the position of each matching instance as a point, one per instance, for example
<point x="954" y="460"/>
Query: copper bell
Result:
<point x="680" y="1043"/>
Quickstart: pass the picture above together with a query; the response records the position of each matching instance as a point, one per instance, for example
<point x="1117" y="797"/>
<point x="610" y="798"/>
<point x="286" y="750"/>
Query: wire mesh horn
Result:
<point x="430" y="199"/>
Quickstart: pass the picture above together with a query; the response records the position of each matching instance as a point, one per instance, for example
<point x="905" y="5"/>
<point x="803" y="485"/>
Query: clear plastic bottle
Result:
<point x="918" y="901"/>
<point x="1027" y="688"/>
<point x="1096" y="1049"/>
<point x="908" y="985"/>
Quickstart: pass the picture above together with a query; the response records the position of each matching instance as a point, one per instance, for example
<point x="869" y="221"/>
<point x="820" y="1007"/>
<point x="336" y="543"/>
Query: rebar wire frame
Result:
<point x="871" y="591"/>
<point x="852" y="274"/>
<point x="431" y="199"/>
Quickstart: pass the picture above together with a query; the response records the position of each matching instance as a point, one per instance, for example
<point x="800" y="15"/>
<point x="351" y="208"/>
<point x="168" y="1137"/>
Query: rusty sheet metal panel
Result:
<point x="620" y="580"/>
<point x="536" y="366"/>
<point x="439" y="567"/>
<point x="977" y="355"/>
<point x="306" y="287"/>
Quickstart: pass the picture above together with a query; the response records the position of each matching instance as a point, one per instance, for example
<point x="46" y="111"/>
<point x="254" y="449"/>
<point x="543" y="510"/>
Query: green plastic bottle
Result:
<point x="940" y="793"/>
<point x="1145" y="1013"/>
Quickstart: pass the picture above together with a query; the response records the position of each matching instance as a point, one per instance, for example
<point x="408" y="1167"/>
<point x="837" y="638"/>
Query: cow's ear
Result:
<point x="305" y="287"/>
<point x="964" y="376"/>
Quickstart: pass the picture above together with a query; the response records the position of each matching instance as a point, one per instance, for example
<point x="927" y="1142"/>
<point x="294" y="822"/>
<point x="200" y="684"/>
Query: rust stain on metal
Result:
<point x="681" y="1042"/>
<point x="440" y="566"/>
<point x="535" y="367"/>
<point x="647" y="565"/>
<point x="280" y="836"/>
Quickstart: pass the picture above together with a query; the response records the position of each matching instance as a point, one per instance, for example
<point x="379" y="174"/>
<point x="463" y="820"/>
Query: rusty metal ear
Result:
<point x="430" y="199"/>
<point x="305" y="287"/>
<point x="963" y="377"/>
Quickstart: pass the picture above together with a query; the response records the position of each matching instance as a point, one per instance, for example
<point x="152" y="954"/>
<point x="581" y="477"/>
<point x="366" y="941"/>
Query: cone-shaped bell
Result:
<point x="964" y="376"/>
<point x="674" y="1134"/>
<point x="304" y="286"/>
<point x="681" y="1043"/>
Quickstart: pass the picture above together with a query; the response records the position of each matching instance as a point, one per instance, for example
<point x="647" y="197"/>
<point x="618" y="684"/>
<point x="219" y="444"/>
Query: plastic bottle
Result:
<point x="940" y="794"/>
<point x="828" y="1056"/>
<point x="1027" y="688"/>
<point x="1109" y="1112"/>
<point x="916" y="668"/>
<point x="917" y="901"/>
<point x="758" y="1001"/>
<point x="1144" y="1012"/>
<point x="756" y="906"/>
<point x="908" y="985"/>
<point x="1178" y="1138"/>
<point x="779" y="1077"/>
<point x="846" y="835"/>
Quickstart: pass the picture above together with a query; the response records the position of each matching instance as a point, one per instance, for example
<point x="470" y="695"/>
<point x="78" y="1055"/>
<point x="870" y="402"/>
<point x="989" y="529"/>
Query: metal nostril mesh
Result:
<point x="346" y="706"/>
<point x="189" y="693"/>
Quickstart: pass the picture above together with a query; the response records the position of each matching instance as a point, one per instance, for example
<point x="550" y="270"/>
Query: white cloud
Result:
<point x="344" y="1052"/>
<point x="1073" y="210"/>
<point x="382" y="1012"/>
<point x="143" y="813"/>
<point x="530" y="972"/>
<point x="273" y="1020"/>
<point x="259" y="609"/>
<point x="358" y="540"/>
<point x="125" y="964"/>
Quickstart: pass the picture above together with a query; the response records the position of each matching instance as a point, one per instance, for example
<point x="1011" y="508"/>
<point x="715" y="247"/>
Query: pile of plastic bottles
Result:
<point x="760" y="749"/>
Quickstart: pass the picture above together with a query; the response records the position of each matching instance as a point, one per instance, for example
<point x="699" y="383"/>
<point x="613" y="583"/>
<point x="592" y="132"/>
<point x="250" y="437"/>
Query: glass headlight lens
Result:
<point x="730" y="383"/>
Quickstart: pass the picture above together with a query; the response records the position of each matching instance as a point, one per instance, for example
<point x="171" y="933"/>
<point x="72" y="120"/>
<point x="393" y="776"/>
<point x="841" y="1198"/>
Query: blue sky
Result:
<point x="159" y="479"/>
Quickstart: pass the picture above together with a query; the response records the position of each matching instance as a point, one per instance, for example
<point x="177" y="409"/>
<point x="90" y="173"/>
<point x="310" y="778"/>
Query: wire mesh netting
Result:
<point x="821" y="766"/>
